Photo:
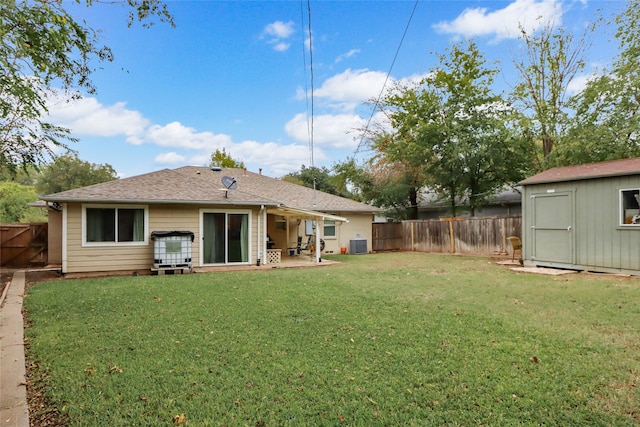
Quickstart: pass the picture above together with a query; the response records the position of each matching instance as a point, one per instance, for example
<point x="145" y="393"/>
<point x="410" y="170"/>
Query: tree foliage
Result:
<point x="14" y="208"/>
<point x="606" y="125"/>
<point x="552" y="59"/>
<point x="45" y="52"/>
<point x="452" y="133"/>
<point x="319" y="179"/>
<point x="68" y="172"/>
<point x="381" y="184"/>
<point x="222" y="159"/>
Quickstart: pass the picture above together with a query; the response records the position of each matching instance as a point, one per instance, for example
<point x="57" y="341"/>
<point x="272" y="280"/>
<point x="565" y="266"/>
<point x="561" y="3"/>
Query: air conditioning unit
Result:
<point x="358" y="246"/>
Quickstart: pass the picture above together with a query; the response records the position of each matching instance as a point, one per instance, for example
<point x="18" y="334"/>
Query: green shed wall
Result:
<point x="599" y="243"/>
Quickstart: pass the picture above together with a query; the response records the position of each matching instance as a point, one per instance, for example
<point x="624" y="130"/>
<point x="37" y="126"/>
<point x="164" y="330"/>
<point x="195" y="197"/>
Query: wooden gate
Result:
<point x="387" y="236"/>
<point x="23" y="245"/>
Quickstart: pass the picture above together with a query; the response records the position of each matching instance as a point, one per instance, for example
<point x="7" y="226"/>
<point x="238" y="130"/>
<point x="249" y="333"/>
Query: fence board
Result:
<point x="386" y="236"/>
<point x="22" y="245"/>
<point x="473" y="236"/>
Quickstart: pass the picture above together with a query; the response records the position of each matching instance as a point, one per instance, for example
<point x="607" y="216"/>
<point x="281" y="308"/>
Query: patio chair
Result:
<point x="516" y="245"/>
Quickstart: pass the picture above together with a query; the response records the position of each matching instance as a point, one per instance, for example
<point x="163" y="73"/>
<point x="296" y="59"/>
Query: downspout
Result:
<point x="318" y="250"/>
<point x="64" y="238"/>
<point x="261" y="240"/>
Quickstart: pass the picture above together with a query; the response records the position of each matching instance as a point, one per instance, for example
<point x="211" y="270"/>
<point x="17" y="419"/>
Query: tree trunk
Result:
<point x="413" y="203"/>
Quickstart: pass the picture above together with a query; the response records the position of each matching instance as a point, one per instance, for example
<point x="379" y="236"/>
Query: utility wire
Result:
<point x="377" y="103"/>
<point x="311" y="73"/>
<point x="304" y="63"/>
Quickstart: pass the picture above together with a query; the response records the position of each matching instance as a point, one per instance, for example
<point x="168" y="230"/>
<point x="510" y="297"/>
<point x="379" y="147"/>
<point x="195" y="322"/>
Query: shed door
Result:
<point x="552" y="228"/>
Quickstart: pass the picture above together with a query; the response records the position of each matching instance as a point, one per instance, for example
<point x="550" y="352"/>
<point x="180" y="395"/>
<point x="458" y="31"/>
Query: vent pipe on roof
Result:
<point x="216" y="169"/>
<point x="260" y="170"/>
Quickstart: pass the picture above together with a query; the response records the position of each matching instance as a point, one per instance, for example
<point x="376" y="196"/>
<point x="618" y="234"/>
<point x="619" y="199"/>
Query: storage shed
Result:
<point x="584" y="217"/>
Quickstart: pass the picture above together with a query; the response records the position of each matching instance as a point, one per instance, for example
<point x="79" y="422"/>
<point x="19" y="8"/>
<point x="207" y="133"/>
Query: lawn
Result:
<point x="377" y="340"/>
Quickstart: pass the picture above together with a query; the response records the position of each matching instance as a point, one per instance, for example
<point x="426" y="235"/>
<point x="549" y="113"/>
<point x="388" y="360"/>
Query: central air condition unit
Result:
<point x="358" y="246"/>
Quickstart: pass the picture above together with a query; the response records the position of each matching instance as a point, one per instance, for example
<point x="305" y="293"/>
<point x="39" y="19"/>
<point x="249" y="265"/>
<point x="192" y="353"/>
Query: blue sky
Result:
<point x="234" y="74"/>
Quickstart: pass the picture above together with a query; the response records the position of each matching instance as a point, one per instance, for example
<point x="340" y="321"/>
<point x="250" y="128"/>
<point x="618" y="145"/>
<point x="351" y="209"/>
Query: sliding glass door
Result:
<point x="225" y="237"/>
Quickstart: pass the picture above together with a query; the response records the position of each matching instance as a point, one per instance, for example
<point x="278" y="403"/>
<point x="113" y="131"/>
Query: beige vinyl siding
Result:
<point x="176" y="218"/>
<point x="116" y="257"/>
<point x="82" y="259"/>
<point x="358" y="226"/>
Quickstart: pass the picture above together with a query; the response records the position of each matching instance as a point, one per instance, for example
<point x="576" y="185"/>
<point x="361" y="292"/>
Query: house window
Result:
<point x="114" y="225"/>
<point x="281" y="223"/>
<point x="329" y="228"/>
<point x="630" y="207"/>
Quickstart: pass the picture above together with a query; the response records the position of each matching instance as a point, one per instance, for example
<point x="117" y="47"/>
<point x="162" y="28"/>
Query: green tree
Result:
<point x="222" y="159"/>
<point x="68" y="172"/>
<point x="319" y="178"/>
<point x="44" y="50"/>
<point x="606" y="125"/>
<point x="454" y="133"/>
<point x="551" y="61"/>
<point x="385" y="185"/>
<point x="14" y="198"/>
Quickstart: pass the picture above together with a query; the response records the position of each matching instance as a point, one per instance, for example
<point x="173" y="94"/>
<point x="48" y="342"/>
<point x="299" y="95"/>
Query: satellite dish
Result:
<point x="229" y="183"/>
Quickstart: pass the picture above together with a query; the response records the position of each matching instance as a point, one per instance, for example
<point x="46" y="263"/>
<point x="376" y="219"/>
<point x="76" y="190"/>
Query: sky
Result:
<point x="238" y="75"/>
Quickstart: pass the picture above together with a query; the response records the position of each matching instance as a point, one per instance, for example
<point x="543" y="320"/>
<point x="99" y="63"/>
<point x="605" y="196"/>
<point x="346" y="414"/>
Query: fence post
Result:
<point x="451" y="235"/>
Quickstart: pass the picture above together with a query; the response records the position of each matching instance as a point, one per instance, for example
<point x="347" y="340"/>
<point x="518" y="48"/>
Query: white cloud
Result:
<point x="329" y="130"/>
<point x="279" y="29"/>
<point x="88" y="117"/>
<point x="579" y="83"/>
<point x="504" y="23"/>
<point x="347" y="90"/>
<point x="349" y="54"/>
<point x="177" y="135"/>
<point x="281" y="47"/>
<point x="277" y="32"/>
<point x="169" y="158"/>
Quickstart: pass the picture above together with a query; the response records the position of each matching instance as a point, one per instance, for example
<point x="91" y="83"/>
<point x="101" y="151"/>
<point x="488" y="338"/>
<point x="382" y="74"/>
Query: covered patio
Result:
<point x="293" y="235"/>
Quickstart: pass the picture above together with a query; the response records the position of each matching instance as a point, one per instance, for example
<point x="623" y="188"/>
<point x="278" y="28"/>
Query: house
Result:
<point x="237" y="217"/>
<point x="584" y="217"/>
<point x="505" y="202"/>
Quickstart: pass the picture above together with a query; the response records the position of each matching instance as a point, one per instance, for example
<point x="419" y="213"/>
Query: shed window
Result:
<point x="114" y="225"/>
<point x="630" y="207"/>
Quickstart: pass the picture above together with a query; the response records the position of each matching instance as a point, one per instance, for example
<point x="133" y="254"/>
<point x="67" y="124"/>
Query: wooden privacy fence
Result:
<point x="481" y="235"/>
<point x="23" y="245"/>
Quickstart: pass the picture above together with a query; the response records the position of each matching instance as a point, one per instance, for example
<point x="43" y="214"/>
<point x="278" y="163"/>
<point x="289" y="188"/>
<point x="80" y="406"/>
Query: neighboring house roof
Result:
<point x="506" y="196"/>
<point x="201" y="185"/>
<point x="586" y="171"/>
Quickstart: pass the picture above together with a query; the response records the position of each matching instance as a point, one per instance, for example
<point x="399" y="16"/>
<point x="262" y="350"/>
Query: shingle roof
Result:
<point x="193" y="184"/>
<point x="586" y="171"/>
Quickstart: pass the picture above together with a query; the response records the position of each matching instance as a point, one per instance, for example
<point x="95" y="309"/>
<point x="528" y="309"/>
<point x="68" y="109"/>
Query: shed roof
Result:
<point x="201" y="185"/>
<point x="587" y="171"/>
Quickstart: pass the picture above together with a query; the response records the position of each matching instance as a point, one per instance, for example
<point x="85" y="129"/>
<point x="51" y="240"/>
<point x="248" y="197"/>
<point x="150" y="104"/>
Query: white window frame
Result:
<point x="332" y="224"/>
<point x="227" y="212"/>
<point x="145" y="242"/>
<point x="622" y="213"/>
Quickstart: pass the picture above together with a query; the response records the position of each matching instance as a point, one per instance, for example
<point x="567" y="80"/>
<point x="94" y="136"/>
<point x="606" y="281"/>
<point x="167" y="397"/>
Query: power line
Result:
<point x="311" y="73"/>
<point x="375" y="106"/>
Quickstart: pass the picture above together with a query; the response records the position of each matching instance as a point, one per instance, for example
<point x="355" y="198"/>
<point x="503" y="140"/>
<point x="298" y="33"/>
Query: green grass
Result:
<point x="386" y="339"/>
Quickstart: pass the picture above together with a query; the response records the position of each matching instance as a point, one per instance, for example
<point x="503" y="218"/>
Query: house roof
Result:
<point x="201" y="185"/>
<point x="586" y="171"/>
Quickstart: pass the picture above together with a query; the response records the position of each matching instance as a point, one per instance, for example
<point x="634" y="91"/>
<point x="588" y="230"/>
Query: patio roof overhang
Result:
<point x="304" y="214"/>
